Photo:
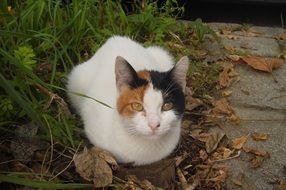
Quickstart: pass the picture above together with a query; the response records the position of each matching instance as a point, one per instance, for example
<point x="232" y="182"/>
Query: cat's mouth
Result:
<point x="153" y="135"/>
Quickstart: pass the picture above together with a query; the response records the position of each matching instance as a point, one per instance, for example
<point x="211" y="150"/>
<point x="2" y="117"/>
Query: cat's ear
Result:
<point x="179" y="72"/>
<point x="124" y="73"/>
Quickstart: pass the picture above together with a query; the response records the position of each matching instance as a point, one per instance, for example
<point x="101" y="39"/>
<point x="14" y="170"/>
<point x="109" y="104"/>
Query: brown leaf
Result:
<point x="222" y="107"/>
<point x="257" y="161"/>
<point x="91" y="165"/>
<point x="213" y="140"/>
<point x="234" y="119"/>
<point x="160" y="174"/>
<point x="192" y="103"/>
<point x="106" y="156"/>
<point x="260" y="136"/>
<point x="230" y="50"/>
<point x="251" y="33"/>
<point x="261" y="63"/>
<point x="225" y="31"/>
<point x="135" y="183"/>
<point x="232" y="37"/>
<point x="239" y="142"/>
<point x="282" y="185"/>
<point x="282" y="36"/>
<point x="222" y="153"/>
<point x="235" y="58"/>
<point x="225" y="79"/>
<point x="226" y="93"/>
<point x="203" y="155"/>
<point x="257" y="152"/>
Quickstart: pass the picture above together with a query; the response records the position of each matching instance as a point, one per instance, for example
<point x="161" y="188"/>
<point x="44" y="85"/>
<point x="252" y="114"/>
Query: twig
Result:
<point x="229" y="158"/>
<point x="182" y="179"/>
<point x="66" y="166"/>
<point x="53" y="96"/>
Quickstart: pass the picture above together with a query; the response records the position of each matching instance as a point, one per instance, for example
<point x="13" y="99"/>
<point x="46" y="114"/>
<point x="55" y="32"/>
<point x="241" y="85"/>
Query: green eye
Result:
<point x="137" y="106"/>
<point x="167" y="106"/>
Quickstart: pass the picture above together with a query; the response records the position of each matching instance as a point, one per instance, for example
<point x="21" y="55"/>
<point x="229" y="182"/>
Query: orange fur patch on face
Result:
<point x="144" y="75"/>
<point x="129" y="96"/>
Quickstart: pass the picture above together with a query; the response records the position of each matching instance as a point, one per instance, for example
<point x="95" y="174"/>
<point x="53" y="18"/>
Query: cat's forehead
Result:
<point x="152" y="97"/>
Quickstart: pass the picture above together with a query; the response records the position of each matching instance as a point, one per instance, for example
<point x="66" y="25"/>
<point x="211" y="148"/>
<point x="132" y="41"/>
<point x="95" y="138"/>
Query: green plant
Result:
<point x="26" y="56"/>
<point x="201" y="30"/>
<point x="203" y="77"/>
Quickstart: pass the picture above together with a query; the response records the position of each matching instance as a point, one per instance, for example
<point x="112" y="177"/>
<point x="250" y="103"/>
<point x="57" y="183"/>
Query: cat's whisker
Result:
<point x="166" y="91"/>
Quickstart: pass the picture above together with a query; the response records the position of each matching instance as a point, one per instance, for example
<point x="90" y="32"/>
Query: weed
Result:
<point x="203" y="77"/>
<point x="201" y="30"/>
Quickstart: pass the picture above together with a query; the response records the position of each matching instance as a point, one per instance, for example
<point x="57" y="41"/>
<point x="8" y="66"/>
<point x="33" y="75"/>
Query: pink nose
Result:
<point x="154" y="126"/>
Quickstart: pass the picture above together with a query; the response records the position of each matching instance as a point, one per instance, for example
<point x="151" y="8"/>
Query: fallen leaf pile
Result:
<point x="228" y="75"/>
<point x="95" y="165"/>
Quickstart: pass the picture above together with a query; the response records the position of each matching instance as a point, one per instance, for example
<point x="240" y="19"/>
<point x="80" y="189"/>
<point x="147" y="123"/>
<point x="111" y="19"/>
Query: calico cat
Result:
<point x="146" y="93"/>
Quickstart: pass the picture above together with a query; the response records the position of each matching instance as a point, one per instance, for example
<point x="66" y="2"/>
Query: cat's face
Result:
<point x="150" y="103"/>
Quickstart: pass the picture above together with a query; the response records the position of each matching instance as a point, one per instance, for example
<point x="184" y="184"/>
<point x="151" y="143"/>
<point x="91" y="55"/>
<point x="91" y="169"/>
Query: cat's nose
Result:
<point x="154" y="126"/>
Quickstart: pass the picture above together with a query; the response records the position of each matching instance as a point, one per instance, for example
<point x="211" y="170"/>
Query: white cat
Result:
<point x="145" y="92"/>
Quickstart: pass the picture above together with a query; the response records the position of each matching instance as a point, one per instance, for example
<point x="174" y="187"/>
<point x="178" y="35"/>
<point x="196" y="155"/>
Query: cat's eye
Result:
<point x="137" y="106"/>
<point x="167" y="106"/>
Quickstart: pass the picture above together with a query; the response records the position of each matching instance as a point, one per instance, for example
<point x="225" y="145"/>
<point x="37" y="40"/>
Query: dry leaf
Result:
<point x="213" y="140"/>
<point x="234" y="119"/>
<point x="256" y="152"/>
<point x="134" y="183"/>
<point x="220" y="178"/>
<point x="225" y="31"/>
<point x="196" y="133"/>
<point x="91" y="165"/>
<point x="160" y="174"/>
<point x="282" y="36"/>
<point x="222" y="107"/>
<point x="260" y="136"/>
<point x="232" y="37"/>
<point x="226" y="77"/>
<point x="226" y="93"/>
<point x="106" y="156"/>
<point x="251" y="33"/>
<point x="222" y="153"/>
<point x="229" y="49"/>
<point x="192" y="103"/>
<point x="282" y="185"/>
<point x="239" y="142"/>
<point x="261" y="63"/>
<point x="257" y="161"/>
<point x="234" y="57"/>
<point x="203" y="155"/>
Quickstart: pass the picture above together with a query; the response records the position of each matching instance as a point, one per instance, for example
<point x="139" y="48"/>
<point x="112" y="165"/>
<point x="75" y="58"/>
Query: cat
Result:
<point x="146" y="93"/>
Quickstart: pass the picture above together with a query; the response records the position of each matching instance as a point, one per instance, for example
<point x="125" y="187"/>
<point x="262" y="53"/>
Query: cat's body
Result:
<point x="136" y="129"/>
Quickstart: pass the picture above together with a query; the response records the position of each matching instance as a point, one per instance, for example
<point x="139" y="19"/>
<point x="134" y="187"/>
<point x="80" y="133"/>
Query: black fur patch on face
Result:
<point x="136" y="81"/>
<point x="172" y="92"/>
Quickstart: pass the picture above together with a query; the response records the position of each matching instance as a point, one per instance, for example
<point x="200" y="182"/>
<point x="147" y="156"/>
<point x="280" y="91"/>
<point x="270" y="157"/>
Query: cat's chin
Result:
<point x="153" y="136"/>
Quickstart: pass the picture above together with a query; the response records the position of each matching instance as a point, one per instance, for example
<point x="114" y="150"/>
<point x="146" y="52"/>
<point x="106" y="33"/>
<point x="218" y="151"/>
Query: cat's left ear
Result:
<point x="179" y="72"/>
<point x="124" y="73"/>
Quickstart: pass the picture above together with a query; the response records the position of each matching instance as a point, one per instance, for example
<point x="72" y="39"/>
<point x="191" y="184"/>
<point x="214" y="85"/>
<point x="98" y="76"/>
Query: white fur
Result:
<point x="129" y="140"/>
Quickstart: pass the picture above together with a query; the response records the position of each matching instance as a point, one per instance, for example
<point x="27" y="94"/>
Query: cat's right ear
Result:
<point x="124" y="73"/>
